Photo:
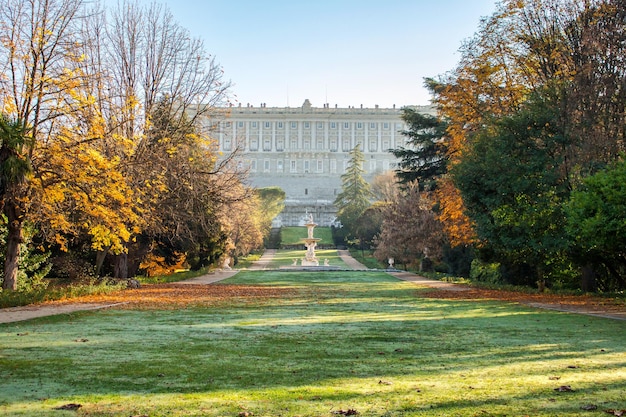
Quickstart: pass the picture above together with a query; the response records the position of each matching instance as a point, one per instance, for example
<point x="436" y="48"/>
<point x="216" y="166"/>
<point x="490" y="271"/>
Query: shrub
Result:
<point x="485" y="272"/>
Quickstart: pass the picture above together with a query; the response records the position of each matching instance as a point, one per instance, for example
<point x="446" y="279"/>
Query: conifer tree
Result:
<point x="355" y="194"/>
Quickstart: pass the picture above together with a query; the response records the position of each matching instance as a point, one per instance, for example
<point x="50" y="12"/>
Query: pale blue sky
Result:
<point x="345" y="52"/>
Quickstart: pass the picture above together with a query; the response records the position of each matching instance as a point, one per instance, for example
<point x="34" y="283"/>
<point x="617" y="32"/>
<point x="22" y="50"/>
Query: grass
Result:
<point x="286" y="258"/>
<point x="175" y="277"/>
<point x="294" y="235"/>
<point x="57" y="292"/>
<point x="366" y="257"/>
<point x="340" y="341"/>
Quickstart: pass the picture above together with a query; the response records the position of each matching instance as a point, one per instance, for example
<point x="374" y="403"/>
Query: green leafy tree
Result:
<point x="514" y="186"/>
<point x="424" y="158"/>
<point x="597" y="227"/>
<point x="369" y="225"/>
<point x="355" y="194"/>
<point x="272" y="202"/>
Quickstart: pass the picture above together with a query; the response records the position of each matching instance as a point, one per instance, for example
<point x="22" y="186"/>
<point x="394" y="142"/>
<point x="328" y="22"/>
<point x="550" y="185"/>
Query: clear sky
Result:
<point x="344" y="52"/>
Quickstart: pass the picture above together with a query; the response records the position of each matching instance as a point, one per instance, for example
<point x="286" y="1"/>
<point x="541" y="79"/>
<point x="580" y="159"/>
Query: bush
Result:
<point x="70" y="268"/>
<point x="485" y="272"/>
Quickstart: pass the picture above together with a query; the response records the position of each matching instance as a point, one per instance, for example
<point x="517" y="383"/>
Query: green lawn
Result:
<point x="286" y="257"/>
<point x="294" y="235"/>
<point x="337" y="341"/>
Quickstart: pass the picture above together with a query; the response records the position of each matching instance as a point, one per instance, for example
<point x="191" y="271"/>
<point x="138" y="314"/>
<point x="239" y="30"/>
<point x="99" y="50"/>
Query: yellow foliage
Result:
<point x="156" y="265"/>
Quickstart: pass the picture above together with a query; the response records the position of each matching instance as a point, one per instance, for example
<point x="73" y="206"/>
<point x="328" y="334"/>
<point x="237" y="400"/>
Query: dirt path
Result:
<point x="265" y="260"/>
<point x="350" y="261"/>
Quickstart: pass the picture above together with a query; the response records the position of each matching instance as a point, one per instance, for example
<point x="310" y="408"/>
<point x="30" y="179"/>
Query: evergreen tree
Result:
<point x="355" y="194"/>
<point x="424" y="158"/>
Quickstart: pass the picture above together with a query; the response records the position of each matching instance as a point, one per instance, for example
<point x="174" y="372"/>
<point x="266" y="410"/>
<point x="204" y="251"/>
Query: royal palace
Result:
<point x="305" y="150"/>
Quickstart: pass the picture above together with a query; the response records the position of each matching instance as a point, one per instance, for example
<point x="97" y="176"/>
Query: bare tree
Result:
<point x="155" y="69"/>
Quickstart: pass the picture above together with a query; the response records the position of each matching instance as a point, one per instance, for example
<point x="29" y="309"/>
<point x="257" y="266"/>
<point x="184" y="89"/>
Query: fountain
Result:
<point x="310" y="242"/>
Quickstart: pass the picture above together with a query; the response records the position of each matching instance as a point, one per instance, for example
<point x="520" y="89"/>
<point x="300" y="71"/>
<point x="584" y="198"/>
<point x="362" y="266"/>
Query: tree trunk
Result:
<point x="120" y="268"/>
<point x="14" y="239"/>
<point x="100" y="257"/>
<point x="588" y="279"/>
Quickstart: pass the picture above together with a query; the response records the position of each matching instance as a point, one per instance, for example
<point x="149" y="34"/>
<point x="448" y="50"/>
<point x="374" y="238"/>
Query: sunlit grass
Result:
<point x="342" y="340"/>
<point x="294" y="235"/>
<point x="287" y="257"/>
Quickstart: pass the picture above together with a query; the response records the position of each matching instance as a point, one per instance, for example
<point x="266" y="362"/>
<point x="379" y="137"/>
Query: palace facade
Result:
<point x="305" y="150"/>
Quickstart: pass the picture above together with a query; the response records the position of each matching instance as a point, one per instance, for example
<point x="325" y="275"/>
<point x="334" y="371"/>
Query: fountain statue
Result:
<point x="310" y="242"/>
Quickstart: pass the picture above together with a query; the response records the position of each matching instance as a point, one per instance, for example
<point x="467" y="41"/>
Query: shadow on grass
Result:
<point x="346" y="336"/>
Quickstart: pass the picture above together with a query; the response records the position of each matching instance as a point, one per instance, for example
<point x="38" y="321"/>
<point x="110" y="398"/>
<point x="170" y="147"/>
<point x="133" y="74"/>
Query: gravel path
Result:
<point x="350" y="261"/>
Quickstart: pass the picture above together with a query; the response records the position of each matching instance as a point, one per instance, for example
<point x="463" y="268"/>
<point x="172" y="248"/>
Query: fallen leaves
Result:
<point x="70" y="406"/>
<point x="348" y="412"/>
<point x="564" y="388"/>
<point x="173" y="295"/>
<point x="618" y="413"/>
<point x="589" y="303"/>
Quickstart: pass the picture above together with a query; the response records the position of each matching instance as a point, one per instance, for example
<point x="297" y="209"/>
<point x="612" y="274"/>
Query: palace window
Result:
<point x="333" y="125"/>
<point x="279" y="165"/>
<point x="266" y="165"/>
<point x="268" y="125"/>
<point x="307" y="125"/>
<point x="373" y="126"/>
<point x="320" y="125"/>
<point x="294" y="125"/>
<point x="320" y="165"/>
<point x="292" y="165"/>
<point x="346" y="125"/>
<point x="359" y="125"/>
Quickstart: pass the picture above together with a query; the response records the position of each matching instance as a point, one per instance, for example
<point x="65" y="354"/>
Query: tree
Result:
<point x="513" y="186"/>
<point x="385" y="186"/>
<point x="595" y="222"/>
<point x="425" y="159"/>
<point x="15" y="169"/>
<point x="39" y="66"/>
<point x="355" y="194"/>
<point x="410" y="232"/>
<point x="155" y="87"/>
<point x="272" y="202"/>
